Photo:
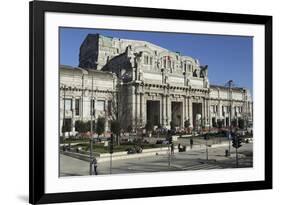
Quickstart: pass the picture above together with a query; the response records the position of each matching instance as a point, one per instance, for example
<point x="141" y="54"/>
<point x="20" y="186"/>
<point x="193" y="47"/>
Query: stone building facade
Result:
<point x="138" y="82"/>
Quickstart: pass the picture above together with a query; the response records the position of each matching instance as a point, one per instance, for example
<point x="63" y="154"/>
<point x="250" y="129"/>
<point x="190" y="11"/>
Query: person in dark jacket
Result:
<point x="172" y="148"/>
<point x="95" y="163"/>
<point x="191" y="143"/>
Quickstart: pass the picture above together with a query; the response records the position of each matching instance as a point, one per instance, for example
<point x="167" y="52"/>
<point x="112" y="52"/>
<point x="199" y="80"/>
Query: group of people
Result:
<point x="180" y="148"/>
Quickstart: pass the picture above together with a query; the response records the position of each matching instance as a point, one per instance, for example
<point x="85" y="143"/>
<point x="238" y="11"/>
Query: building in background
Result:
<point x="138" y="82"/>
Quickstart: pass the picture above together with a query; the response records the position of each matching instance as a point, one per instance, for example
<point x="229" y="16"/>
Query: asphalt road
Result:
<point x="184" y="161"/>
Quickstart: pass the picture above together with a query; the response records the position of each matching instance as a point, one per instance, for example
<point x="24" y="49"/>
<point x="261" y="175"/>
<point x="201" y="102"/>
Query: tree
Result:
<point x="129" y="128"/>
<point x="66" y="127"/>
<point x="82" y="127"/>
<point x="116" y="129"/>
<point x="100" y="125"/>
<point x="78" y="126"/>
<point x="187" y="125"/>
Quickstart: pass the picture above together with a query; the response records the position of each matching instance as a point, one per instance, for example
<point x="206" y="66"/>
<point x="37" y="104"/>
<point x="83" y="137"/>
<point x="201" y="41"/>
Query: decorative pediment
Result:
<point x="143" y="49"/>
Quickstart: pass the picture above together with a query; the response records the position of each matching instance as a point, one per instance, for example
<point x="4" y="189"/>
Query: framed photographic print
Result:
<point x="130" y="102"/>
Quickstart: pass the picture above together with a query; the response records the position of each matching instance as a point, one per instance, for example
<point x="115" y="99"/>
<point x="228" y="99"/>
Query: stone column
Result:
<point x="141" y="109"/>
<point x="203" y="112"/>
<point x="144" y="110"/>
<point x="206" y="111"/>
<point x="73" y="114"/>
<point x="183" y="112"/>
<point x="164" y="109"/>
<point x="185" y="108"/>
<point x="190" y="114"/>
<point x="160" y="109"/>
<point x="137" y="109"/>
<point x="169" y="111"/>
<point x="106" y="115"/>
<point x="133" y="108"/>
<point x="86" y="108"/>
<point x="219" y="110"/>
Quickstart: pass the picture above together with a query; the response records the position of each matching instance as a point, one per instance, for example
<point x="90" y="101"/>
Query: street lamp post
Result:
<point x="63" y="122"/>
<point x="229" y="84"/>
<point x="91" y="129"/>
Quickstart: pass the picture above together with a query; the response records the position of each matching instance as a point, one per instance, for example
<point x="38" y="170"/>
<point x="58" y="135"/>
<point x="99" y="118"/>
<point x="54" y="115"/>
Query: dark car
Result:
<point x="134" y="150"/>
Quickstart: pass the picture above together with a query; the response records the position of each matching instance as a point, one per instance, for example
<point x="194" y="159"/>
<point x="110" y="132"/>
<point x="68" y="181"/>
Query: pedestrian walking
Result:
<point x="191" y="143"/>
<point x="179" y="147"/>
<point x="172" y="148"/>
<point x="95" y="163"/>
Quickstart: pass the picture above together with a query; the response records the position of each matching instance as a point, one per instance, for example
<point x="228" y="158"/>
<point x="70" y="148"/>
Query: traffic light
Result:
<point x="239" y="142"/>
<point x="236" y="141"/>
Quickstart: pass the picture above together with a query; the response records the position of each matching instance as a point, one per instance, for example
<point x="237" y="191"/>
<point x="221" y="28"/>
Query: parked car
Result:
<point x="134" y="150"/>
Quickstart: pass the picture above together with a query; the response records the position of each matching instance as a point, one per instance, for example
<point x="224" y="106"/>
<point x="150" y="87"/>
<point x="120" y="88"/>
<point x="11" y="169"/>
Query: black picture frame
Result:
<point x="37" y="193"/>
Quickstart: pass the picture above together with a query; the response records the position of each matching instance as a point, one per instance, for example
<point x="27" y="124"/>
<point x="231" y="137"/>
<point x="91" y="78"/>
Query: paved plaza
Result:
<point x="195" y="159"/>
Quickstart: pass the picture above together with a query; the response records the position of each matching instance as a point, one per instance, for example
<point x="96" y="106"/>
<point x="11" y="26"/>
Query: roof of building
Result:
<point x="147" y="43"/>
<point x="99" y="72"/>
<point x="225" y="87"/>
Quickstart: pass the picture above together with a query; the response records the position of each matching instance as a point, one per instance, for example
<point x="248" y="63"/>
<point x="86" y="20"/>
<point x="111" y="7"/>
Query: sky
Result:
<point x="227" y="57"/>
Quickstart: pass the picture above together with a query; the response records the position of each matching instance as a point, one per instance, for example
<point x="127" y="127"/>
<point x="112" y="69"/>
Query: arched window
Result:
<point x="169" y="65"/>
<point x="145" y="60"/>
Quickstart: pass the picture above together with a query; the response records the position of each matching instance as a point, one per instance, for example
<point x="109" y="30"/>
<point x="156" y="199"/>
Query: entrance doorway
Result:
<point x="153" y="112"/>
<point x="177" y="110"/>
<point x="196" y="110"/>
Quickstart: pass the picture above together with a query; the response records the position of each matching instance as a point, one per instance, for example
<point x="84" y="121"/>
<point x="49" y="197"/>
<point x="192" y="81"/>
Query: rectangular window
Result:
<point x="164" y="63"/>
<point x="68" y="104"/>
<point x="100" y="105"/>
<point x="93" y="106"/>
<point x="77" y="106"/>
<point x="109" y="107"/>
<point x="150" y="61"/>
